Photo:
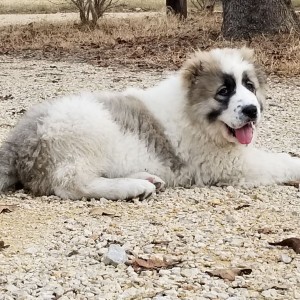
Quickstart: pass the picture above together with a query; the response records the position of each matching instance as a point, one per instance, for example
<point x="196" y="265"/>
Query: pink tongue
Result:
<point x="244" y="134"/>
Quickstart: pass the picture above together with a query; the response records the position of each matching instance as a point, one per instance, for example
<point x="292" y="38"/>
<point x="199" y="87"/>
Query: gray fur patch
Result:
<point x="8" y="174"/>
<point x="27" y="155"/>
<point x="133" y="116"/>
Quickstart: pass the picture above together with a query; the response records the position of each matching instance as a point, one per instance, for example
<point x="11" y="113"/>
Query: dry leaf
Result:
<point x="3" y="246"/>
<point x="160" y="242"/>
<point x="98" y="211"/>
<point x="151" y="264"/>
<point x="279" y="287"/>
<point x="6" y="208"/>
<point x="229" y="274"/>
<point x="73" y="252"/>
<point x="265" y="230"/>
<point x="296" y="184"/>
<point x="242" y="206"/>
<point x="294" y="154"/>
<point x="293" y="243"/>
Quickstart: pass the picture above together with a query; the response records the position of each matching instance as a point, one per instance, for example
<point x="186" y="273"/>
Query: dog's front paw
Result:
<point x="157" y="181"/>
<point x="141" y="189"/>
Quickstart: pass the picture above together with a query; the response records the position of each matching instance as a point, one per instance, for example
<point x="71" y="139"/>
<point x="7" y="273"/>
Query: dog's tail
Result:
<point x="8" y="171"/>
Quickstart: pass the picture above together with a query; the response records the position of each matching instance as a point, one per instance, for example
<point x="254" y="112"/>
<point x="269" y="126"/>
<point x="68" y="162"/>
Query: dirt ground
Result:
<point x="57" y="248"/>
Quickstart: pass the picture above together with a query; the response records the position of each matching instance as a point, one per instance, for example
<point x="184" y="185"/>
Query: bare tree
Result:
<point x="178" y="7"/>
<point x="204" y="5"/>
<point x="91" y="10"/>
<point x="244" y="18"/>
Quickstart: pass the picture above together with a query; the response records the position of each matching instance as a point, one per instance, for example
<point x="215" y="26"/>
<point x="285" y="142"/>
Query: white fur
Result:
<point x="94" y="158"/>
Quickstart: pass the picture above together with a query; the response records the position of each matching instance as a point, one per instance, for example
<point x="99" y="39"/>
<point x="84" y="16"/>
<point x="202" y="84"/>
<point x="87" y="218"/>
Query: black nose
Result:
<point x="250" y="111"/>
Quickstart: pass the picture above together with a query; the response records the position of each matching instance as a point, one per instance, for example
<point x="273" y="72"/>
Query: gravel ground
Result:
<point x="58" y="249"/>
<point x="23" y="19"/>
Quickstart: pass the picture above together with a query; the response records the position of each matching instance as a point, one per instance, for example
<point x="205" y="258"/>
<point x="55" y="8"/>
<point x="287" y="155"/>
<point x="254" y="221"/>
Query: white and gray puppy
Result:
<point x="195" y="128"/>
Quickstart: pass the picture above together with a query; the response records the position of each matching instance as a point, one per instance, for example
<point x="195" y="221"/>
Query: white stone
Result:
<point x="270" y="293"/>
<point x="192" y="272"/>
<point x="286" y="259"/>
<point x="115" y="255"/>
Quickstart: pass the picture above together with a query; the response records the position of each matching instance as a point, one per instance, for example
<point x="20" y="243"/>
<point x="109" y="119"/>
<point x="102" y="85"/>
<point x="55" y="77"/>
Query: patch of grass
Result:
<point x="54" y="6"/>
<point x="147" y="42"/>
<point x="35" y="6"/>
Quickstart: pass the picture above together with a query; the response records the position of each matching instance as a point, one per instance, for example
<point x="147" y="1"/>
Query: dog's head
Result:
<point x="226" y="90"/>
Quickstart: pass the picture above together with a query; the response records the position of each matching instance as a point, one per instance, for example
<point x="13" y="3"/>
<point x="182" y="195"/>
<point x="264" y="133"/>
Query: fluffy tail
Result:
<point x="8" y="171"/>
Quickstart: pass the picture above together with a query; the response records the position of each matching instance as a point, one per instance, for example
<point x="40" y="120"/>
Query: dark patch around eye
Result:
<point x="247" y="83"/>
<point x="230" y="85"/>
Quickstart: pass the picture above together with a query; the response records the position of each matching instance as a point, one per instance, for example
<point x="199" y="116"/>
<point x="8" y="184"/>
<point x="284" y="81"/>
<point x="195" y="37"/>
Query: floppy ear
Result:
<point x="247" y="54"/>
<point x="192" y="68"/>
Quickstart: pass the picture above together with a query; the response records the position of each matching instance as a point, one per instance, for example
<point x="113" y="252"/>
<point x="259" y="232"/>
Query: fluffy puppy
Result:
<point x="195" y="128"/>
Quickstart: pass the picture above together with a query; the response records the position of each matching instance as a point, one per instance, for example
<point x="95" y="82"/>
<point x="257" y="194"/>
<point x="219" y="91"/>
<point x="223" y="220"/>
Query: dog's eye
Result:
<point x="223" y="91"/>
<point x="250" y="86"/>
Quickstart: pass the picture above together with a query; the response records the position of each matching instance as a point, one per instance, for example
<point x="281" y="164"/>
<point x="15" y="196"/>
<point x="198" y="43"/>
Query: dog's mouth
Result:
<point x="244" y="134"/>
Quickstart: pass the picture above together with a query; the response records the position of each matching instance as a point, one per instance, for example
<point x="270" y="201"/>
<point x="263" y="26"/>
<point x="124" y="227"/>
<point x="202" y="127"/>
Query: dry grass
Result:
<point x="53" y="6"/>
<point x="35" y="6"/>
<point x="153" y="42"/>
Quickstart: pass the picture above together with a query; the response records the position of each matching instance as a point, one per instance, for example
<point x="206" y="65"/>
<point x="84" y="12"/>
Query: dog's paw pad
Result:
<point x="157" y="185"/>
<point x="158" y="182"/>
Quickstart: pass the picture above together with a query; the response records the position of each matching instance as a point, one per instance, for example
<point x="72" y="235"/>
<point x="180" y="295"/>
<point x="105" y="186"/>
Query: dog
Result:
<point x="196" y="127"/>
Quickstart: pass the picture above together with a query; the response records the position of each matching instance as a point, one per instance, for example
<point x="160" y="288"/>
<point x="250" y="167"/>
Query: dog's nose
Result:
<point x="250" y="111"/>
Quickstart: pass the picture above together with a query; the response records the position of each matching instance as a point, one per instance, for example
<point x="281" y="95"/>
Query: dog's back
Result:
<point x="60" y="147"/>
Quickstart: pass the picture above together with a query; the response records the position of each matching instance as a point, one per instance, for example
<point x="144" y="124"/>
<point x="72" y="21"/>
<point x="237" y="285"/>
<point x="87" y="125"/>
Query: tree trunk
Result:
<point x="178" y="7"/>
<point x="244" y="18"/>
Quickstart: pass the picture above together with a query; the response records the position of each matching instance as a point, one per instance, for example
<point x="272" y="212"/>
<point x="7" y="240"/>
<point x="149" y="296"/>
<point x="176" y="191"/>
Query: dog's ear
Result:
<point x="202" y="63"/>
<point x="193" y="68"/>
<point x="247" y="54"/>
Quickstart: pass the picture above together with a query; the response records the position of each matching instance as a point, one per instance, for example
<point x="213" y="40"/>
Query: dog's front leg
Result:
<point x="263" y="168"/>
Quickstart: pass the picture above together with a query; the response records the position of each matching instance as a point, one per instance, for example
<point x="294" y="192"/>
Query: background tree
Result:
<point x="244" y="18"/>
<point x="204" y="5"/>
<point x="91" y="10"/>
<point x="178" y="7"/>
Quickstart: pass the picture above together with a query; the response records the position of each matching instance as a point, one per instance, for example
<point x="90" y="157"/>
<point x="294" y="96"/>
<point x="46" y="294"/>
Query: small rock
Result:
<point x="12" y="288"/>
<point x="271" y="293"/>
<point x="176" y="270"/>
<point x="115" y="255"/>
<point x="164" y="272"/>
<point x="215" y="202"/>
<point x="148" y="249"/>
<point x="223" y="295"/>
<point x="296" y="295"/>
<point x="237" y="243"/>
<point x="285" y="258"/>
<point x="230" y="188"/>
<point x="210" y="295"/>
<point x="32" y="250"/>
<point x="146" y="273"/>
<point x="190" y="272"/>
<point x="159" y="297"/>
<point x="87" y="233"/>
